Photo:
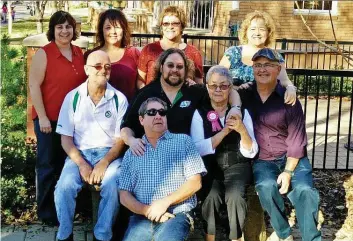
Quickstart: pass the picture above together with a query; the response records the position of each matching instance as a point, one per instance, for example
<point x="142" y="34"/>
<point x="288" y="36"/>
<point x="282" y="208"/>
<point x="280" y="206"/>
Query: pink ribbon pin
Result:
<point x="213" y="117"/>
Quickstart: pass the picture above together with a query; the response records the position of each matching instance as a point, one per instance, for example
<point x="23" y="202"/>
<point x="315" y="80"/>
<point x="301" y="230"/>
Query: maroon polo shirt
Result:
<point x="279" y="128"/>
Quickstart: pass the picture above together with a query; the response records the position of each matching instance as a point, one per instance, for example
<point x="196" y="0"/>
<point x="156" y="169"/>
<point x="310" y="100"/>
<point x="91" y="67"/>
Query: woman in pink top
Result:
<point x="113" y="37"/>
<point x="173" y="22"/>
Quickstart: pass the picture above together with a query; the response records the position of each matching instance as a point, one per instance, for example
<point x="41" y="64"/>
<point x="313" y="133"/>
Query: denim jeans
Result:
<point x="142" y="229"/>
<point x="303" y="196"/>
<point x="70" y="183"/>
<point x="49" y="163"/>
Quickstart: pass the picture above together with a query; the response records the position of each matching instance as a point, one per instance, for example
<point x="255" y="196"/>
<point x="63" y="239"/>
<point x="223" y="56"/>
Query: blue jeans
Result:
<point x="70" y="183"/>
<point x="142" y="229"/>
<point x="303" y="196"/>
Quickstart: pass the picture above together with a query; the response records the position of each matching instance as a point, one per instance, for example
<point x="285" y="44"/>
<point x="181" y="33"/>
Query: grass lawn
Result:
<point x="26" y="27"/>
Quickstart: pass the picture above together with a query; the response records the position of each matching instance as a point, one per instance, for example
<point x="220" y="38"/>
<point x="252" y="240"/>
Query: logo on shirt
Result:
<point x="185" y="103"/>
<point x="108" y="114"/>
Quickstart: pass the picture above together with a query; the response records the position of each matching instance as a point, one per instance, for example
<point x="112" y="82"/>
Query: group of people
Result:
<point x="186" y="141"/>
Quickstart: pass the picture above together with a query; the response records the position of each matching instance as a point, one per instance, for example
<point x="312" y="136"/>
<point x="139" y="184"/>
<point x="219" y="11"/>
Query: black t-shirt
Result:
<point x="180" y="112"/>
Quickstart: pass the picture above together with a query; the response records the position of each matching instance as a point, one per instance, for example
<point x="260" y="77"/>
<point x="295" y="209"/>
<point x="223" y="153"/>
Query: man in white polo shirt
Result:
<point x="89" y="124"/>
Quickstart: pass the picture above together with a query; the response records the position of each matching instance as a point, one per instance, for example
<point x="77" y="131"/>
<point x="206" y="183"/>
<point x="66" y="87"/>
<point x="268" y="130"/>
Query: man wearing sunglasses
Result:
<point x="159" y="187"/>
<point x="89" y="124"/>
<point x="182" y="100"/>
<point x="282" y="166"/>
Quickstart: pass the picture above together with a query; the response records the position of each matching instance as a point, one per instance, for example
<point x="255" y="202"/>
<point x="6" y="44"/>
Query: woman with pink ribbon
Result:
<point x="227" y="146"/>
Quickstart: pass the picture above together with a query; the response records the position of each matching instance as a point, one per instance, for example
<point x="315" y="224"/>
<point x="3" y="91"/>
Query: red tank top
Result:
<point x="61" y="76"/>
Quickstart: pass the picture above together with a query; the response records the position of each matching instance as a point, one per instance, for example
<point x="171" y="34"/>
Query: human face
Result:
<point x="154" y="124"/>
<point x="257" y="33"/>
<point x="217" y="90"/>
<point x="113" y="33"/>
<point x="171" y="28"/>
<point x="63" y="33"/>
<point x="98" y="68"/>
<point x="267" y="73"/>
<point x="173" y="70"/>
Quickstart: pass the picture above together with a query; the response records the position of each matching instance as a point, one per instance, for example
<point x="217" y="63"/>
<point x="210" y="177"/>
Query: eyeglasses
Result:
<point x="174" y="24"/>
<point x="266" y="66"/>
<point x="178" y="66"/>
<point x="153" y="112"/>
<point x="221" y="87"/>
<point x="100" y="67"/>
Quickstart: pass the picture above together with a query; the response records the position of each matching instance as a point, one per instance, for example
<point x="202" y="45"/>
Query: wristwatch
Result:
<point x="291" y="173"/>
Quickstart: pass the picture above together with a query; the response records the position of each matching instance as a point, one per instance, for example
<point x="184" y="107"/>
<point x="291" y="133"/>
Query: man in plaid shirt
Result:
<point x="159" y="187"/>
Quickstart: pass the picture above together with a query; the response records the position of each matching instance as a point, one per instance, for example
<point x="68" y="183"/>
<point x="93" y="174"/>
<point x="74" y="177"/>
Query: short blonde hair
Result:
<point x="174" y="11"/>
<point x="269" y="22"/>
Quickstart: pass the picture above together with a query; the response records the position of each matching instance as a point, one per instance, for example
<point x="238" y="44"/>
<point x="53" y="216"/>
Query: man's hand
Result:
<point x="233" y="112"/>
<point x="235" y="123"/>
<point x="85" y="171"/>
<point x="165" y="217"/>
<point x="98" y="172"/>
<point x="44" y="125"/>
<point x="137" y="146"/>
<point x="284" y="180"/>
<point x="190" y="82"/>
<point x="290" y="97"/>
<point x="157" y="209"/>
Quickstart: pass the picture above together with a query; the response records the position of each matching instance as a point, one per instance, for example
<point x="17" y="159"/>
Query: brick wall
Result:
<point x="288" y="25"/>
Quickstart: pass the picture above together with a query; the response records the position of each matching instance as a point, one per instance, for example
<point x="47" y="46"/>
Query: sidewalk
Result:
<point x="83" y="232"/>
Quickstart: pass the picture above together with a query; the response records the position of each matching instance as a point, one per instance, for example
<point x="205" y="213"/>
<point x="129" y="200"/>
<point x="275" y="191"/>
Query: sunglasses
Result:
<point x="153" y="112"/>
<point x="100" y="67"/>
<point x="174" y="24"/>
<point x="178" y="66"/>
<point x="221" y="87"/>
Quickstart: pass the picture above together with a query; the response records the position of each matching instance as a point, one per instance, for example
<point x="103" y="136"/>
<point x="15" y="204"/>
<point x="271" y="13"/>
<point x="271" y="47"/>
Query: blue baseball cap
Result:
<point x="267" y="53"/>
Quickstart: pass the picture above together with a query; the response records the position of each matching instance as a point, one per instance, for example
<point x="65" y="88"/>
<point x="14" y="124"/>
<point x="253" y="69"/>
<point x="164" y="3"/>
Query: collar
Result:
<point x="165" y="136"/>
<point x="109" y="92"/>
<point x="279" y="89"/>
<point x="56" y="50"/>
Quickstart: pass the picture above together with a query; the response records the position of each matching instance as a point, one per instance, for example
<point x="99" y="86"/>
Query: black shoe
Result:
<point x="50" y="222"/>
<point x="70" y="238"/>
<point x="349" y="146"/>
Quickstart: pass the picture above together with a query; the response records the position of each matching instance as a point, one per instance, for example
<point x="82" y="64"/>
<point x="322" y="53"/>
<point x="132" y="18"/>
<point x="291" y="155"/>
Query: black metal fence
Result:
<point x="306" y="54"/>
<point x="326" y="95"/>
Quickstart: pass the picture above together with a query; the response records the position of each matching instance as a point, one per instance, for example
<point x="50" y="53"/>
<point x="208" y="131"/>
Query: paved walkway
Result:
<point x="83" y="232"/>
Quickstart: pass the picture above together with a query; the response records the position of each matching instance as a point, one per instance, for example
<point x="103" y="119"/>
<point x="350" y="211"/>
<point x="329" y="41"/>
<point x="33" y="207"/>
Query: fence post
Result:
<point x="185" y="36"/>
<point x="284" y="44"/>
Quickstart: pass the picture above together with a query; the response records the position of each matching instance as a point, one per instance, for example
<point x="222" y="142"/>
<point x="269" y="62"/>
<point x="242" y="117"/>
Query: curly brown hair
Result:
<point x="269" y="22"/>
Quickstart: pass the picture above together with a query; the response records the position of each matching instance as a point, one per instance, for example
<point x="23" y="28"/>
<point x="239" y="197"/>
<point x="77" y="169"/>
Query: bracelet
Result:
<point x="238" y="107"/>
<point x="291" y="173"/>
<point x="295" y="88"/>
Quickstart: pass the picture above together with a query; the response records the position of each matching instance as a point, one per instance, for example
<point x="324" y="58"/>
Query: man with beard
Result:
<point x="182" y="100"/>
<point x="89" y="124"/>
<point x="161" y="203"/>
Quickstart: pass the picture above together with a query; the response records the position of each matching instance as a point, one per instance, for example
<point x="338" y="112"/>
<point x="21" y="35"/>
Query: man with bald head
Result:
<point x="89" y="124"/>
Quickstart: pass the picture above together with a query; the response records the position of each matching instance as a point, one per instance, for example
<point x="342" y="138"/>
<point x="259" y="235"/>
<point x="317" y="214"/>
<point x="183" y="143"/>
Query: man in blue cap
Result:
<point x="282" y="166"/>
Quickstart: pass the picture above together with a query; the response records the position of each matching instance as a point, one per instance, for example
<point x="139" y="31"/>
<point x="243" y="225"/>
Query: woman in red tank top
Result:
<point x="113" y="37"/>
<point x="56" y="69"/>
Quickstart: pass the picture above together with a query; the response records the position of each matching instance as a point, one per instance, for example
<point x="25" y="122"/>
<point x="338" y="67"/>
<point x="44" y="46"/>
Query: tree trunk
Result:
<point x="67" y="6"/>
<point x="40" y="7"/>
<point x="55" y="6"/>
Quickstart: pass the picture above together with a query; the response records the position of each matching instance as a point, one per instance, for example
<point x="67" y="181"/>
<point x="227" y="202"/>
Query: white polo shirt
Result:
<point x="92" y="126"/>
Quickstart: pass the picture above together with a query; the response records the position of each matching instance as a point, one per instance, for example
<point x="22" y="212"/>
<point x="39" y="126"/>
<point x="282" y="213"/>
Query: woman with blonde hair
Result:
<point x="257" y="31"/>
<point x="173" y="22"/>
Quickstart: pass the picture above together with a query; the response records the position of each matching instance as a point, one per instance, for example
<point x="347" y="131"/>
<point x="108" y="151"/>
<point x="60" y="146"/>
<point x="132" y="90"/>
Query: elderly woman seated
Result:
<point x="227" y="146"/>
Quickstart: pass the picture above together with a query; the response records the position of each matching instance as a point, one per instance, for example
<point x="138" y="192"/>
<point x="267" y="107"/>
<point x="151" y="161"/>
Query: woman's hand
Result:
<point x="235" y="123"/>
<point x="245" y="85"/>
<point x="290" y="96"/>
<point x="190" y="82"/>
<point x="44" y="125"/>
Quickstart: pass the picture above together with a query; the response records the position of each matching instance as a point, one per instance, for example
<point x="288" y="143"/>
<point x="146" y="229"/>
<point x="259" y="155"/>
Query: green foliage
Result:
<point x="17" y="157"/>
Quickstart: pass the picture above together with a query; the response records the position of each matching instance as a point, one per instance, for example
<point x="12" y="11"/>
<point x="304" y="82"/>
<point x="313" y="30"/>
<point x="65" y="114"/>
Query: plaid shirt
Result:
<point x="162" y="170"/>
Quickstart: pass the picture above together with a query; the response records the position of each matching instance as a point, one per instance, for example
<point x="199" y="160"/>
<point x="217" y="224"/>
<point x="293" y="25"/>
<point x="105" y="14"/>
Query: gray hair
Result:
<point x="221" y="70"/>
<point x="143" y="107"/>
